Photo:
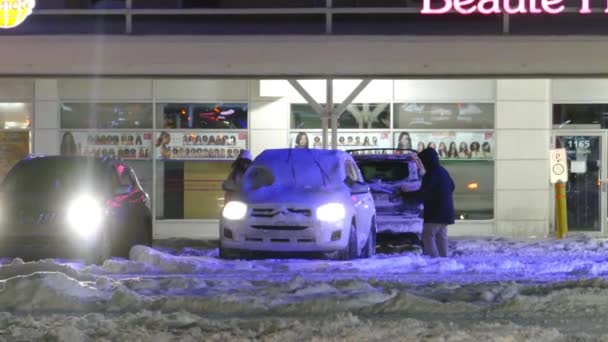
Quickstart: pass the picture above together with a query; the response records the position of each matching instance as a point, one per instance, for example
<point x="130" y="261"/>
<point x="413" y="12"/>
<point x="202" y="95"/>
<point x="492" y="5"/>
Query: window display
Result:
<point x="126" y="145"/>
<point x="190" y="189"/>
<point x="214" y="145"/>
<point x="357" y="115"/>
<point x="202" y="115"/>
<point x="444" y="115"/>
<point x="15" y="115"/>
<point x="14" y="146"/>
<point x="106" y="115"/>
<point x="580" y="115"/>
<point x="346" y="140"/>
<point x="449" y="145"/>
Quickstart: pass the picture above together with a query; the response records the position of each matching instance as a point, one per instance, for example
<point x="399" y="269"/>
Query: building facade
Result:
<point x="177" y="91"/>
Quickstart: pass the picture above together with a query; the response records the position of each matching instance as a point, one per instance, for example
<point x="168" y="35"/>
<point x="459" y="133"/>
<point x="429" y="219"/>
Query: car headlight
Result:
<point x="331" y="212"/>
<point x="85" y="215"/>
<point x="234" y="210"/>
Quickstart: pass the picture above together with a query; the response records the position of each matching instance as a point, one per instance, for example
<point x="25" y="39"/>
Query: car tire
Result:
<point x="351" y="250"/>
<point x="102" y="250"/>
<point x="144" y="236"/>
<point x="369" y="250"/>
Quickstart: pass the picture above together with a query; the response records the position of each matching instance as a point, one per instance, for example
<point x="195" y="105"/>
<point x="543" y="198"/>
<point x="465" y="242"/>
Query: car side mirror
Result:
<point x="229" y="185"/>
<point x="359" y="188"/>
<point x="122" y="190"/>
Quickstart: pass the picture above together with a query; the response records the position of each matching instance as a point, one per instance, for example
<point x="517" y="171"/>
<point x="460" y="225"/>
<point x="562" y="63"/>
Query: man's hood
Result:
<point x="429" y="158"/>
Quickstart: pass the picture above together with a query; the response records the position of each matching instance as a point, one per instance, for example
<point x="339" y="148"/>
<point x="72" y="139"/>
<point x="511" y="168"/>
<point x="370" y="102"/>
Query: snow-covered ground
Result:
<point x="488" y="289"/>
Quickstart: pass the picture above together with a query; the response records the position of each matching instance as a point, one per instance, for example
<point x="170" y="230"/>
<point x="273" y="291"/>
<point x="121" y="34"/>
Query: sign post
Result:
<point x="559" y="177"/>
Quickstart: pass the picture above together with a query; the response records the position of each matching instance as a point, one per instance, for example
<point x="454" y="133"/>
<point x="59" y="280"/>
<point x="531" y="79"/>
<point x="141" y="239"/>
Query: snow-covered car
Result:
<point x="393" y="176"/>
<point x="60" y="206"/>
<point x="295" y="202"/>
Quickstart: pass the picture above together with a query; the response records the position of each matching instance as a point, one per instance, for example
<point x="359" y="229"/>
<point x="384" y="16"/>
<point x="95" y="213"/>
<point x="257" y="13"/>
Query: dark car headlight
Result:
<point x="85" y="215"/>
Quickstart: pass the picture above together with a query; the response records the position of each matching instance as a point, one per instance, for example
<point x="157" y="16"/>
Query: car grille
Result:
<point x="33" y="217"/>
<point x="267" y="227"/>
<point x="272" y="212"/>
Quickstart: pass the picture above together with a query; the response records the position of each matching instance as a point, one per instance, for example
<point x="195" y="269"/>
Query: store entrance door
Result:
<point x="586" y="187"/>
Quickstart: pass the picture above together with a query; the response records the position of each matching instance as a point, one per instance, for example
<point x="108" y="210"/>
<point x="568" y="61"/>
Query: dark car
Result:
<point x="61" y="206"/>
<point x="393" y="177"/>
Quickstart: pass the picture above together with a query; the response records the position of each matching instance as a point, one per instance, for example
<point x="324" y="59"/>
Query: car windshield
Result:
<point x="54" y="175"/>
<point x="299" y="168"/>
<point x="385" y="170"/>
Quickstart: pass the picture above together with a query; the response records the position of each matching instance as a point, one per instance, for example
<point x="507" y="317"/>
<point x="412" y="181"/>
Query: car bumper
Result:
<point x="398" y="224"/>
<point x="317" y="237"/>
<point x="58" y="244"/>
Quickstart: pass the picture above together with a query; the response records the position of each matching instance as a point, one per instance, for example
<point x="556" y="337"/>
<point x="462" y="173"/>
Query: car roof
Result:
<point x="270" y="154"/>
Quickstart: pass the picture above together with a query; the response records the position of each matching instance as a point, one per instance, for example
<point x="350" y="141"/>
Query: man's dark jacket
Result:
<point x="436" y="191"/>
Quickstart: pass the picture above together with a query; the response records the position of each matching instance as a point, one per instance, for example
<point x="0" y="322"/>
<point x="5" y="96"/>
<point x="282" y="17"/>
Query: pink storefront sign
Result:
<point x="488" y="7"/>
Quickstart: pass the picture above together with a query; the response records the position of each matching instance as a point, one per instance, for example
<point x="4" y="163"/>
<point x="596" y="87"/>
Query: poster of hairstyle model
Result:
<point x="199" y="145"/>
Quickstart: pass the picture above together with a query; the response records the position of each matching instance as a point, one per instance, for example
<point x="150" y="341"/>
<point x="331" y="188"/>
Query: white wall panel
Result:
<point x="46" y="114"/>
<point x="579" y="90"/>
<point x="522" y="205"/>
<point x="101" y="89"/>
<point x="269" y="115"/>
<point x="523" y="115"/>
<point x="522" y="144"/>
<point x="522" y="174"/>
<point x="445" y="90"/>
<point x="522" y="229"/>
<point x="263" y="139"/>
<point x="46" y="89"/>
<point x="202" y="90"/>
<point x="16" y="89"/>
<point x="522" y="89"/>
<point x="46" y="141"/>
<point x="193" y="229"/>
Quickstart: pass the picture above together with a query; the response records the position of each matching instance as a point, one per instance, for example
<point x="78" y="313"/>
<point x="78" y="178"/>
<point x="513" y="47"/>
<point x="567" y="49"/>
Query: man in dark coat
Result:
<point x="436" y="192"/>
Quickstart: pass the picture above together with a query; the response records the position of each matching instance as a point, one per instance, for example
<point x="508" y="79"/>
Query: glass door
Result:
<point x="586" y="187"/>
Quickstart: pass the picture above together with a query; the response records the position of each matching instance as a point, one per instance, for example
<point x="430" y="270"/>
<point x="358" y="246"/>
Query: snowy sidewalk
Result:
<point x="490" y="288"/>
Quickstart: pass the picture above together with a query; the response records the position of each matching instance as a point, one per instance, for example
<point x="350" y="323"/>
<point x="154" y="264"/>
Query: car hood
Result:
<point x="309" y="197"/>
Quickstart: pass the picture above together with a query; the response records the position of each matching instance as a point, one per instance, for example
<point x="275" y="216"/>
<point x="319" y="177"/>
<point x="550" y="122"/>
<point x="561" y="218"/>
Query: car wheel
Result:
<point x="369" y="249"/>
<point x="102" y="250"/>
<point x="144" y="236"/>
<point x="351" y="250"/>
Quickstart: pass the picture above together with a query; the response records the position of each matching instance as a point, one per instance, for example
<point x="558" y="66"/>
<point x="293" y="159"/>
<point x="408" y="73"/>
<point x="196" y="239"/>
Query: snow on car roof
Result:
<point x="309" y="168"/>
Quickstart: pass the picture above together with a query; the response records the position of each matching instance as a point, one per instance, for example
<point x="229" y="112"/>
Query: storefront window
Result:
<point x="346" y="140"/>
<point x="468" y="157"/>
<point x="218" y="116"/>
<point x="575" y="115"/>
<point x="106" y="115"/>
<point x="199" y="145"/>
<point x="444" y="115"/>
<point x="15" y="125"/>
<point x="122" y="130"/>
<point x="356" y="116"/>
<point x="190" y="189"/>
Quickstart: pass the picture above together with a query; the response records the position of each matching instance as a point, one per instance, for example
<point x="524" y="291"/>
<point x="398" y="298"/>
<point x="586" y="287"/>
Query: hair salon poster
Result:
<point x="449" y="145"/>
<point x="199" y="145"/>
<point x="132" y="145"/>
<point x="346" y="141"/>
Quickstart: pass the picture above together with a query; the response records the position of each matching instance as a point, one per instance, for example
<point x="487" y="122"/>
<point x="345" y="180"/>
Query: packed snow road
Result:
<point x="488" y="289"/>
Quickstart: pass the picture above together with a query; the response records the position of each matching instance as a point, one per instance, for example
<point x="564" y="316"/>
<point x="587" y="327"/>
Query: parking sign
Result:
<point x="559" y="165"/>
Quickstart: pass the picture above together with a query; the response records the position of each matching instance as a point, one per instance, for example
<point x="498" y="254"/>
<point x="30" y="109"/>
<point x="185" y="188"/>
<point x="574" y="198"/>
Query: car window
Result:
<point x="55" y="175"/>
<point x="385" y="170"/>
<point x="351" y="171"/>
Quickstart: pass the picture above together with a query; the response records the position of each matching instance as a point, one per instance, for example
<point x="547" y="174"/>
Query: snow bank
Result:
<point x="155" y="326"/>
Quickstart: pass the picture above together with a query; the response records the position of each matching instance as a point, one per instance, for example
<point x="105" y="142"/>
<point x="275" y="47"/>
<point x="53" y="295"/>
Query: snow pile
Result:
<point x="182" y="326"/>
<point x="489" y="289"/>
